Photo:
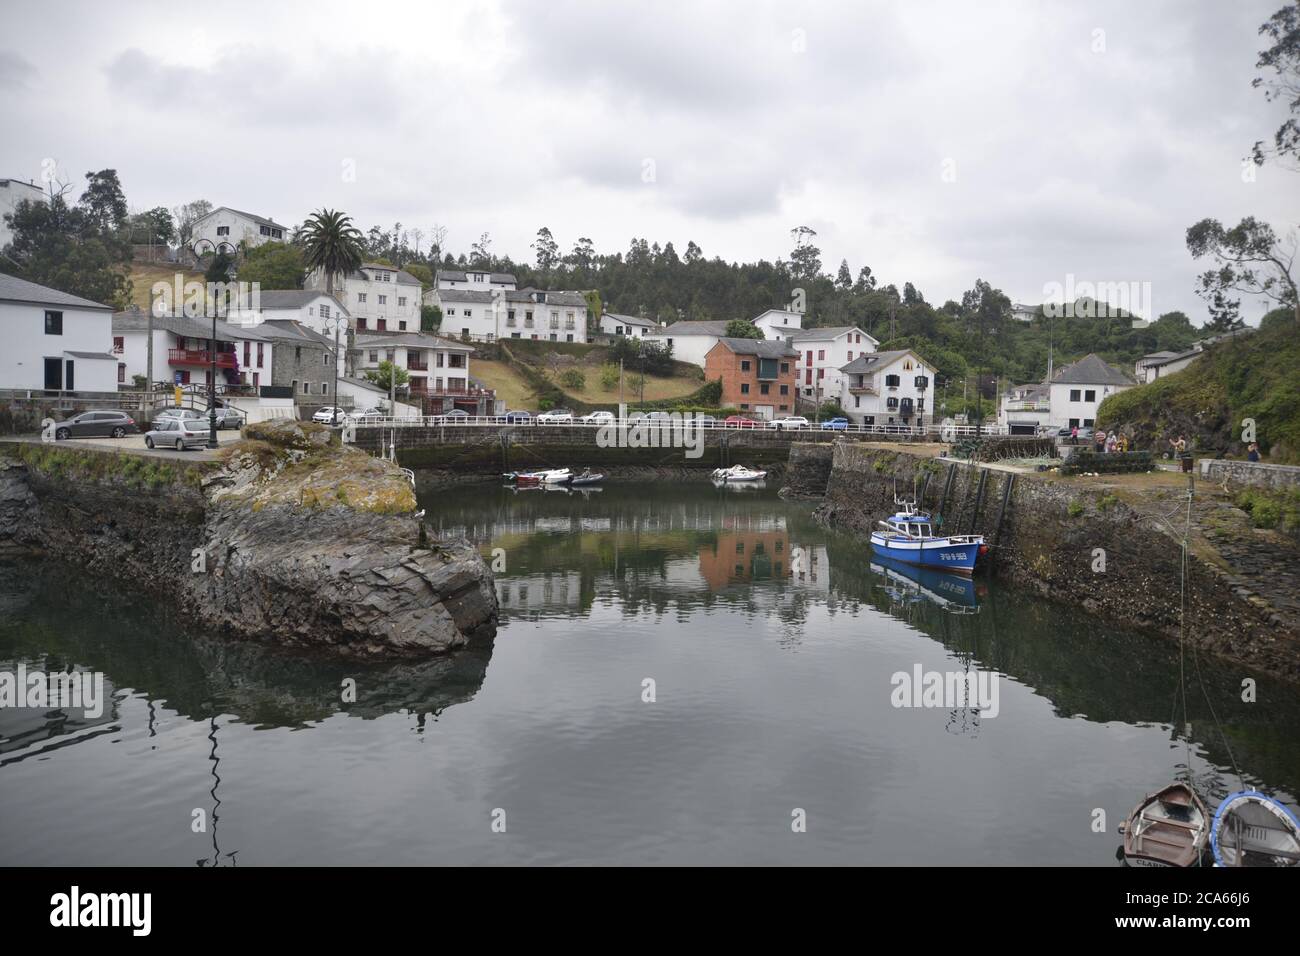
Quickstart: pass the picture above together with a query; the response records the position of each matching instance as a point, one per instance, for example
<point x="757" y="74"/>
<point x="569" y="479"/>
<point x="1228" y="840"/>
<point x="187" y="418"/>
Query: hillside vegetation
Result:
<point x="1255" y="376"/>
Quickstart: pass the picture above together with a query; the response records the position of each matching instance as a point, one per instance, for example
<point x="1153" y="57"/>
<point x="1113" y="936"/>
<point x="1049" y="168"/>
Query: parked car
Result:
<point x="706" y="420"/>
<point x="368" y="416"/>
<point x="598" y="418"/>
<point x="329" y="414"/>
<point x="454" y="417"/>
<point x="789" y="421"/>
<point x="229" y="417"/>
<point x="178" y="433"/>
<point x="519" y="417"/>
<point x="659" y="417"/>
<point x="179" y="413"/>
<point x="556" y="416"/>
<point x="835" y="425"/>
<point x="739" y="421"/>
<point x="96" y="424"/>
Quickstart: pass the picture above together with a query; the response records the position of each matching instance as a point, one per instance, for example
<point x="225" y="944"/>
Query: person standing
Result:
<point x="1099" y="441"/>
<point x="1181" y="452"/>
<point x="1074" y="434"/>
<point x="1111" y="443"/>
<point x="1252" y="453"/>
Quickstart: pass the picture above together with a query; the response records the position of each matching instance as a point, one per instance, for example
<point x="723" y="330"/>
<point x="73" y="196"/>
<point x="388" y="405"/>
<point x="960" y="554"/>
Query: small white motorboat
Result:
<point x="557" y="476"/>
<point x="738" y="473"/>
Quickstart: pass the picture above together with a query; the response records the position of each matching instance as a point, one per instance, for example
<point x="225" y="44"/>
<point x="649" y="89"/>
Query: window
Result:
<point x="763" y="389"/>
<point x="785" y="367"/>
<point x="767" y="368"/>
<point x="821" y="374"/>
<point x="568" y="320"/>
<point x="921" y="382"/>
<point x="361" y="297"/>
<point x="306" y="388"/>
<point x="891" y="402"/>
<point x="744" y="406"/>
<point x="118" y="345"/>
<point x="121" y="372"/>
<point x="374" y="355"/>
<point x="744" y="388"/>
<point x="325" y="358"/>
<point x="568" y="338"/>
<point x="555" y="320"/>
<point x="907" y="365"/>
<point x="1088" y="423"/>
<point x="510" y="317"/>
<point x="808" y="357"/>
<point x="361" y="323"/>
<point x="1074" y="394"/>
<point x="401" y="300"/>
<point x="223" y="230"/>
<point x="383" y="300"/>
<point x="784" y="408"/>
<point x="247" y="353"/>
<point x="53" y="323"/>
<point x="324" y="311"/>
<point x="259" y="354"/>
<point x="401" y="325"/>
<point x="850" y="356"/>
<point x="857" y="339"/>
<point x="744" y="366"/>
<point x="1090" y="395"/>
<point x="891" y="381"/>
<point x="821" y="355"/>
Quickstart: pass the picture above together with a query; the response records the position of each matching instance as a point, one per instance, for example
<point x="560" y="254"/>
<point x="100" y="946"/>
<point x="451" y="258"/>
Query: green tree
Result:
<point x="153" y="226"/>
<point x="1281" y="82"/>
<point x="274" y="265"/>
<point x="743" y="329"/>
<point x="547" y="250"/>
<point x="430" y="318"/>
<point x="103" y="203"/>
<point x="1248" y="259"/>
<point x="186" y="215"/>
<point x="383" y="376"/>
<point x="844" y="278"/>
<point x="55" y="246"/>
<point x="805" y="259"/>
<point x="332" y="244"/>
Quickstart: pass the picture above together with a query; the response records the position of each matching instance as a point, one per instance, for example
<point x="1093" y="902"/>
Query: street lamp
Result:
<point x="337" y="323"/>
<point x="212" y="347"/>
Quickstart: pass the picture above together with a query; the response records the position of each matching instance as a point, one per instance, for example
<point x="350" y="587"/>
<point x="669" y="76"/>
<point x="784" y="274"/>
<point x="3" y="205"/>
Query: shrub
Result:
<point x="1074" y="510"/>
<point x="609" y="377"/>
<point x="574" y="379"/>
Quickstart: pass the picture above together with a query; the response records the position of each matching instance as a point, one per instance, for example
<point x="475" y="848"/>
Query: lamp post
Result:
<point x="335" y="322"/>
<point x="212" y="347"/>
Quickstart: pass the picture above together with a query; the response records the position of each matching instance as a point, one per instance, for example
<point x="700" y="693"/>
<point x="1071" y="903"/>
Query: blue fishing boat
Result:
<point x="909" y="536"/>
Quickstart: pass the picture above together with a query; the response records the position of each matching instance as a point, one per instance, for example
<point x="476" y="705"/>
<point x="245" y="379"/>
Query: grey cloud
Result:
<point x="15" y="72"/>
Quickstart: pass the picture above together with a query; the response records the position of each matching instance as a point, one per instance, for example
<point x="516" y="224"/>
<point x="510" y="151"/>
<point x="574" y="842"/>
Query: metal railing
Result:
<point x="481" y="421"/>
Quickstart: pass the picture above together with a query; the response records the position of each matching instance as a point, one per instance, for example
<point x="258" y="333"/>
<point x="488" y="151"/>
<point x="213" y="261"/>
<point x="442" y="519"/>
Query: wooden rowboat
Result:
<point x="1168" y="828"/>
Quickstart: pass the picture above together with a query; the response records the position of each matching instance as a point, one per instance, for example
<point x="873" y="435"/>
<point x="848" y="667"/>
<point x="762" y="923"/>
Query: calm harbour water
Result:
<point x="772" y="692"/>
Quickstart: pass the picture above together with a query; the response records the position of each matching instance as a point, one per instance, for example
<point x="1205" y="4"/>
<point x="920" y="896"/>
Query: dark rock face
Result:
<point x="357" y="576"/>
<point x="808" y="472"/>
<point x="359" y="584"/>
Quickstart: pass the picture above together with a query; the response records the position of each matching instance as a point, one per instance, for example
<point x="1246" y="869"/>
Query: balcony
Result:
<point x="200" y="357"/>
<point x="861" y="389"/>
<point x="1028" y="406"/>
<point x="417" y="365"/>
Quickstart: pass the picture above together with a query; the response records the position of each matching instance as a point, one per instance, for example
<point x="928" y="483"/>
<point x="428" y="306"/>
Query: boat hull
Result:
<point x="1169" y="828"/>
<point x="935" y="553"/>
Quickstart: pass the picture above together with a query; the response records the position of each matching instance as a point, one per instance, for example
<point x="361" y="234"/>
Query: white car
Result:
<point x="558" y="416"/>
<point x="329" y="414"/>
<point x="790" y="421"/>
<point x="598" y="418"/>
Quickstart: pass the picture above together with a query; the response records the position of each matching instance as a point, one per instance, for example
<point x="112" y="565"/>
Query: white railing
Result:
<point x="478" y="421"/>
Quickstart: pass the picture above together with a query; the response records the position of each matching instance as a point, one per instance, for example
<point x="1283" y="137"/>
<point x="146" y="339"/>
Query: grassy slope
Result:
<point x="145" y="274"/>
<point x="517" y="392"/>
<point x="1257" y="377"/>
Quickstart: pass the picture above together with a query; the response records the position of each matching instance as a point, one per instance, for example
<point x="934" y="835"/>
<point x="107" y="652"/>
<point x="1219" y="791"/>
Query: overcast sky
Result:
<point x="935" y="142"/>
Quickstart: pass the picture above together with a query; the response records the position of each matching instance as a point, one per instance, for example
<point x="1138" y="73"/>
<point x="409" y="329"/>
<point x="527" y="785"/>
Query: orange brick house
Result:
<point x="757" y="375"/>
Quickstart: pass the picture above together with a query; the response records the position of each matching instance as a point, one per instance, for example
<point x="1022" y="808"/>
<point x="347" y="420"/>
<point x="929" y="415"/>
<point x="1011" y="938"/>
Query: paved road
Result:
<point x="134" y="445"/>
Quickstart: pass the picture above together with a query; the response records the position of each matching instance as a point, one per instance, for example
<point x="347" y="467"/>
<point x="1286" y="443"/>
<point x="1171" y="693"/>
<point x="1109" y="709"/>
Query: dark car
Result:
<point x="519" y="418"/>
<point x="97" y="425"/>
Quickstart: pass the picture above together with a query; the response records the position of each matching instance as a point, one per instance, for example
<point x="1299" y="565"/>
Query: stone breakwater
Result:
<point x="290" y="540"/>
<point x="1109" y="547"/>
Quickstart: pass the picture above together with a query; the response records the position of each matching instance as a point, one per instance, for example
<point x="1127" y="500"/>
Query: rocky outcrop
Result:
<point x="290" y="540"/>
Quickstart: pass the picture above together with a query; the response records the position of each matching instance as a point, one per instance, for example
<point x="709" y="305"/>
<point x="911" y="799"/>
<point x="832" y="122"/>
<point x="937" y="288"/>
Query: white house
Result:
<point x="887" y="388"/>
<point x="1078" y="390"/>
<point x="483" y="315"/>
<point x="691" y="341"/>
<point x="437" y="367"/>
<point x="183" y="350"/>
<point x="12" y="192"/>
<point x="311" y="308"/>
<point x="53" y="340"/>
<point x="629" y="326"/>
<point x="378" y="298"/>
<point x="778" y="323"/>
<point x="1025" y="313"/>
<point x="225" y="228"/>
<point x="822" y="353"/>
<point x="1026" y="409"/>
<point x="474" y="281"/>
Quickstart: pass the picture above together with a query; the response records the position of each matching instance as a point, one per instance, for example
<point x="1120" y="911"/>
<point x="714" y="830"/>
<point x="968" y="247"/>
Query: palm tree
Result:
<point x="333" y="245"/>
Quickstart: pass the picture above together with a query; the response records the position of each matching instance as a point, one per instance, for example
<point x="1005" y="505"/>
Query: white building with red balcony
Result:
<point x="437" y="370"/>
<point x="822" y="353"/>
<point x="888" y="388"/>
<point x="184" y="349"/>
